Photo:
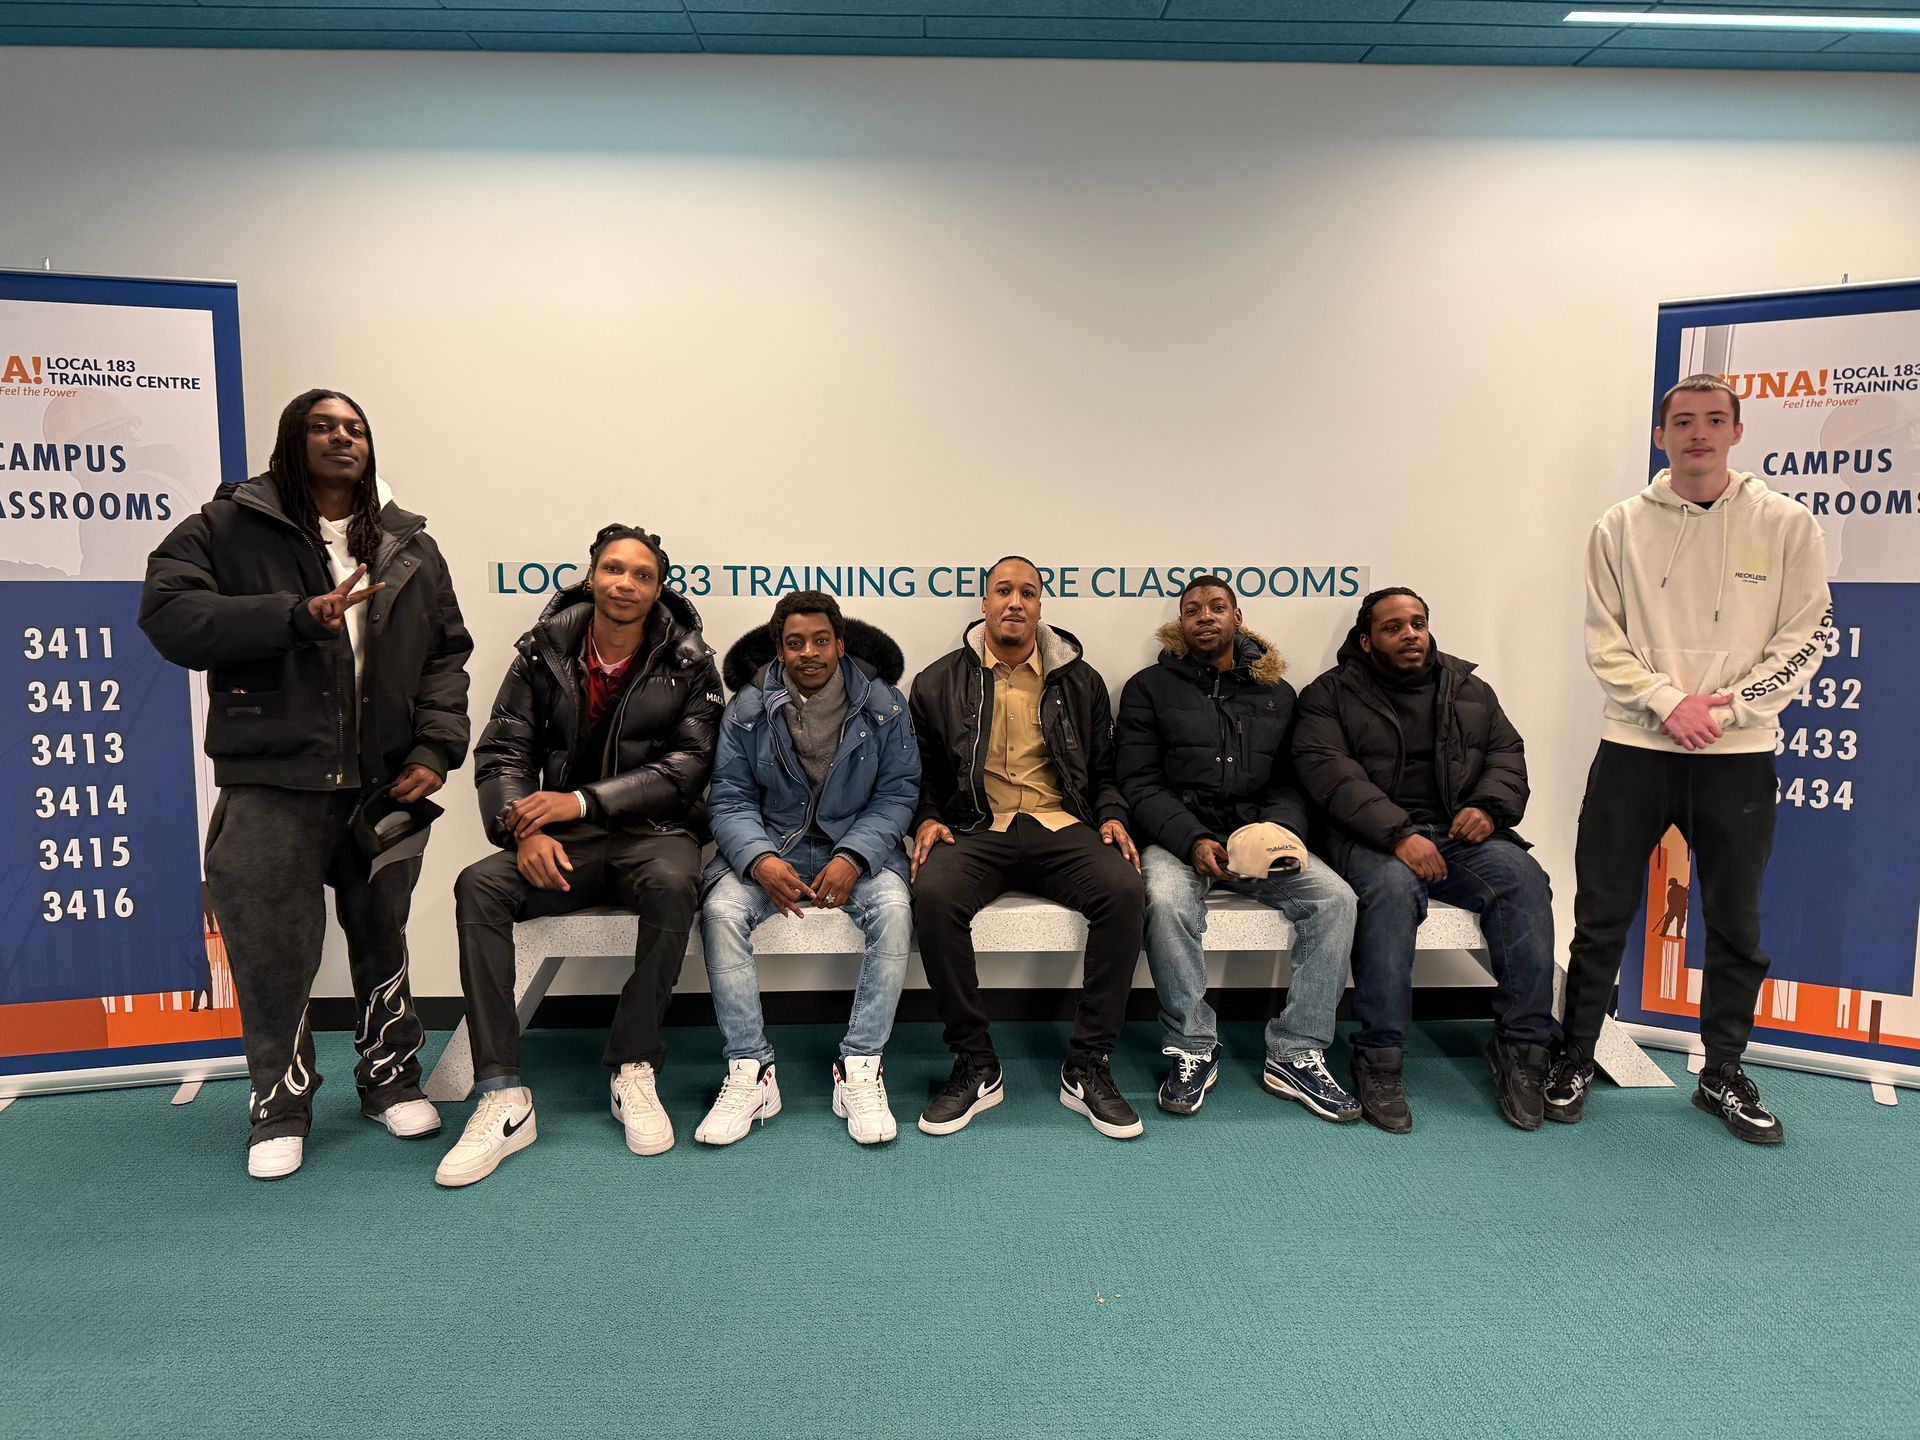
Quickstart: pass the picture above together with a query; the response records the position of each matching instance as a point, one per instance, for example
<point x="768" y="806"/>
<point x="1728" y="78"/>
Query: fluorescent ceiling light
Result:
<point x="1899" y="25"/>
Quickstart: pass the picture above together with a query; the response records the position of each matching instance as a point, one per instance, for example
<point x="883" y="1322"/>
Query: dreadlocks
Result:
<point x="288" y="467"/>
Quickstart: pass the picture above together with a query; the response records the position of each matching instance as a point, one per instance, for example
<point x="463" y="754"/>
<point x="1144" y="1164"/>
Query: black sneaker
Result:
<point x="1519" y="1073"/>
<point x="1568" y="1080"/>
<point x="974" y="1086"/>
<point x="1728" y="1093"/>
<point x="1086" y="1086"/>
<point x="1379" y="1086"/>
<point x="1185" y="1089"/>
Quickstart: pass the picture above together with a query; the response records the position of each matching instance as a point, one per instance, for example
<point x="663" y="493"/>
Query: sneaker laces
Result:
<point x="1735" y="1080"/>
<point x="736" y="1095"/>
<point x="1313" y="1061"/>
<point x="1100" y="1075"/>
<point x="492" y="1107"/>
<point x="636" y="1084"/>
<point x="1186" y="1064"/>
<point x="867" y="1098"/>
<point x="965" y="1078"/>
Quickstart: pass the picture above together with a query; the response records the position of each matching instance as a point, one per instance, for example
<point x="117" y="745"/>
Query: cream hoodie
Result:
<point x="1684" y="601"/>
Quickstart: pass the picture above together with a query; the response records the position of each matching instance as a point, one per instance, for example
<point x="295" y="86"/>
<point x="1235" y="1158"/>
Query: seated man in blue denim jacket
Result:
<point x="814" y="786"/>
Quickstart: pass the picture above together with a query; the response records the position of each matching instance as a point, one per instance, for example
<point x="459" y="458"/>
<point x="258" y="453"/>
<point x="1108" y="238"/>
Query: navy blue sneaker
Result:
<point x="1305" y="1077"/>
<point x="1185" y="1090"/>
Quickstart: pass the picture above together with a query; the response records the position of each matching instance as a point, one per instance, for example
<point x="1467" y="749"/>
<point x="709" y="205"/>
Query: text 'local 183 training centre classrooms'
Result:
<point x="1032" y="718"/>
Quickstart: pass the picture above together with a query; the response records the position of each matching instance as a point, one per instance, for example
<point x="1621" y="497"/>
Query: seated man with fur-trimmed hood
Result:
<point x="1205" y="763"/>
<point x="814" y="785"/>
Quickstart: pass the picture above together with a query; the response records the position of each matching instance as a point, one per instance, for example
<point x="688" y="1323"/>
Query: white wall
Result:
<point x="919" y="312"/>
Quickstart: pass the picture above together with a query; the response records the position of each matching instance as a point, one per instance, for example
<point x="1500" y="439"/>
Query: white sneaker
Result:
<point x="860" y="1098"/>
<point x="636" y="1105"/>
<point x="750" y="1092"/>
<point x="410" y="1119"/>
<point x="500" y="1124"/>
<point x="277" y="1158"/>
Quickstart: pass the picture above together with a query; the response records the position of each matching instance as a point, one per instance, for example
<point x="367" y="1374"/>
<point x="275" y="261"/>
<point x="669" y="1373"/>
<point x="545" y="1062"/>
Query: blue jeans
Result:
<point x="881" y="906"/>
<point x="1317" y="901"/>
<point x="1499" y="882"/>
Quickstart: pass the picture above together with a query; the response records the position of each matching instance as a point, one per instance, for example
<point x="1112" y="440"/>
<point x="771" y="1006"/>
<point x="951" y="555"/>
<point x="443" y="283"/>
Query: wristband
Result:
<point x="581" y="796"/>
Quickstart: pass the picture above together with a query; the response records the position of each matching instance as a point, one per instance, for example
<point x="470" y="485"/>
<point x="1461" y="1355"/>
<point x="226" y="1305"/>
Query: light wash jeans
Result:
<point x="881" y="906"/>
<point x="1318" y="902"/>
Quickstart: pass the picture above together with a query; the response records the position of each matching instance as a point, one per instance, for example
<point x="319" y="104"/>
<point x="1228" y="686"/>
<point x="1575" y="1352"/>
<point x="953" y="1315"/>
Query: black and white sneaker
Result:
<point x="1729" y="1094"/>
<point x="975" y="1085"/>
<point x="1569" y="1079"/>
<point x="1087" y="1088"/>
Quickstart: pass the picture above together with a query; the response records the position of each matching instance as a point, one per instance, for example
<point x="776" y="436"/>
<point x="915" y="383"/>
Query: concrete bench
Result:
<point x="1015" y="924"/>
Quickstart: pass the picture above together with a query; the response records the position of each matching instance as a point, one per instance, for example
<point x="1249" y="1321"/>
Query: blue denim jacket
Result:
<point x="761" y="802"/>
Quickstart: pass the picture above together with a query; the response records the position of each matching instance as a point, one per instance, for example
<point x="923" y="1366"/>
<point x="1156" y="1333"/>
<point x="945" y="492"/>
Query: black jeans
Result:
<point x="1071" y="867"/>
<point x="655" y="876"/>
<point x="270" y="855"/>
<point x="1724" y="806"/>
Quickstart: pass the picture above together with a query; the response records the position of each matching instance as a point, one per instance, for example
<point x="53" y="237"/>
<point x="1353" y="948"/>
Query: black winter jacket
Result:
<point x="952" y="711"/>
<point x="1202" y="752"/>
<point x="1349" y="752"/>
<point x="226" y="592"/>
<point x="660" y="739"/>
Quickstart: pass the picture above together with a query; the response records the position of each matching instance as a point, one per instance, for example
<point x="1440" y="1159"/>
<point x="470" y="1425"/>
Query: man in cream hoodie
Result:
<point x="1706" y="610"/>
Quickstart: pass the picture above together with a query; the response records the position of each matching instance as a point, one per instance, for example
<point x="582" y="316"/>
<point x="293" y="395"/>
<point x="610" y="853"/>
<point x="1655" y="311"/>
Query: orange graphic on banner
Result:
<point x="118" y="1022"/>
<point x="1668" y="986"/>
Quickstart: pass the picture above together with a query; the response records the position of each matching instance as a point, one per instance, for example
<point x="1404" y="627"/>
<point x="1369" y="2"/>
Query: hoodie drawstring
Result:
<point x="1726" y="547"/>
<point x="1678" y="536"/>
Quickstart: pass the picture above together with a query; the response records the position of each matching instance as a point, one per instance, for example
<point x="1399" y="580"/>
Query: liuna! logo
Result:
<point x="1778" y="384"/>
<point x="17" y="373"/>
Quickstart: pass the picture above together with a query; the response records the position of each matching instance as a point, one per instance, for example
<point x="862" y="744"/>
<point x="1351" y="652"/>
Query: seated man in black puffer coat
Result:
<point x="592" y="774"/>
<point x="1421" y="778"/>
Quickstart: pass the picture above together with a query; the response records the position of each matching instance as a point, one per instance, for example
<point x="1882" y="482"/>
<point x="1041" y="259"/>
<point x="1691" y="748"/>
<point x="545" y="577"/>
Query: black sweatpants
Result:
<point x="270" y="853"/>
<point x="654" y="875"/>
<point x="1724" y="806"/>
<point x="1071" y="867"/>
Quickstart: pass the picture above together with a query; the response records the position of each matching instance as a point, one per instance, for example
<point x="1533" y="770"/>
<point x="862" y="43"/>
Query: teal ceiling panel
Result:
<point x="1380" y="32"/>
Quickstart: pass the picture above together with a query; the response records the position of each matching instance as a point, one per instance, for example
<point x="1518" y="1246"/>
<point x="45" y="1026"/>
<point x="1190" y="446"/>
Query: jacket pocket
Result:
<point x="250" y="722"/>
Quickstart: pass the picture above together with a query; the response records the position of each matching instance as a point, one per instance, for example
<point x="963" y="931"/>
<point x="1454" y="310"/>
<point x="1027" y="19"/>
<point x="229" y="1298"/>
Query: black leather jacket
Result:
<point x="660" y="739"/>
<point x="952" y="711"/>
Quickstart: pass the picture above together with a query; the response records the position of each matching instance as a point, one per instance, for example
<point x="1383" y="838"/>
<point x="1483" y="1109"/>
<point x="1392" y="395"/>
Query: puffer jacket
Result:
<point x="952" y="708"/>
<point x="761" y="802"/>
<point x="226" y="592"/>
<point x="660" y="739"/>
<point x="1201" y="751"/>
<point x="1350" y="754"/>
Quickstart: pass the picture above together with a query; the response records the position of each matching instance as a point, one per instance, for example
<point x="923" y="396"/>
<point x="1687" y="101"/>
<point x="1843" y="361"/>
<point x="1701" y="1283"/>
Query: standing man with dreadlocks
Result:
<point x="336" y="669"/>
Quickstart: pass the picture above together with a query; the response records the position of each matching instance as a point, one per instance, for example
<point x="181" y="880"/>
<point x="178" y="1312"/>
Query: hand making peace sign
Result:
<point x="331" y="608"/>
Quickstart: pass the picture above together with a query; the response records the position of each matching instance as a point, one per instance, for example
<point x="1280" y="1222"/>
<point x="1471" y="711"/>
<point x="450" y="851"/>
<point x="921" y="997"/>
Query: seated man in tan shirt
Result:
<point x="1017" y="793"/>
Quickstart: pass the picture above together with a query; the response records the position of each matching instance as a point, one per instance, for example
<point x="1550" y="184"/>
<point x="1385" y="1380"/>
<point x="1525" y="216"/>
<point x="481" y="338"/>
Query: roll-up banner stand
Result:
<point x="1829" y="387"/>
<point x="120" y="413"/>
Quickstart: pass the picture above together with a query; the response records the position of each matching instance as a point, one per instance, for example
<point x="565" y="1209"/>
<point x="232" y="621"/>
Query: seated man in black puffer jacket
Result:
<point x="1205" y="763"/>
<point x="1421" y="778"/>
<point x="592" y="774"/>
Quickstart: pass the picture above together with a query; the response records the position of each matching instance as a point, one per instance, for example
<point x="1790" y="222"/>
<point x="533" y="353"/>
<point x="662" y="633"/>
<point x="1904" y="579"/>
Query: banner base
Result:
<point x="118" y="1077"/>
<point x="1781" y="1057"/>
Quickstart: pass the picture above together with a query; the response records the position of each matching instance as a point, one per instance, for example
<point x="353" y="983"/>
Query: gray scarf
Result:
<point x="815" y="726"/>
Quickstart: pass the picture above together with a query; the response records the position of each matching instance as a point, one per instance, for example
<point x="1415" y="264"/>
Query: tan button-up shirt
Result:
<point x="1020" y="776"/>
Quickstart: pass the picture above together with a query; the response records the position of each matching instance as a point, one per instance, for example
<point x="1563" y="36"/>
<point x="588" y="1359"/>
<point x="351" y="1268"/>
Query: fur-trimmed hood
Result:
<point x="1253" y="652"/>
<point x="868" y="646"/>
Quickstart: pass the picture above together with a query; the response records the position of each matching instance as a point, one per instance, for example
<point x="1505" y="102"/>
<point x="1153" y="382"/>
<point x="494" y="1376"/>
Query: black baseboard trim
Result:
<point x="829" y="1007"/>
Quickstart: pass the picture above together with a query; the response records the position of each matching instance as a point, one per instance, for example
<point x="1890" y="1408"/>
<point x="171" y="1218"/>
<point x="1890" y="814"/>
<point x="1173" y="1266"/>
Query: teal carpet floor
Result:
<point x="1249" y="1271"/>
